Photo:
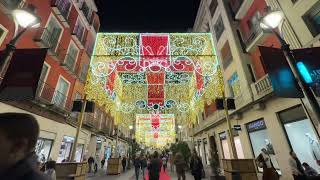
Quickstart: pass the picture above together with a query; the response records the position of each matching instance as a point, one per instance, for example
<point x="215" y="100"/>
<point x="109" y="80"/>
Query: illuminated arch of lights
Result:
<point x="171" y="73"/>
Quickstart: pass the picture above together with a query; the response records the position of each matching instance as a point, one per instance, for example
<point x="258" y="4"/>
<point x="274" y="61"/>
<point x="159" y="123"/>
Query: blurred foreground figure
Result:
<point x="18" y="137"/>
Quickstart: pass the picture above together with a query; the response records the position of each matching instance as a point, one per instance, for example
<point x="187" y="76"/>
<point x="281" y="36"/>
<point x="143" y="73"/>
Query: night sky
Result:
<point x="147" y="15"/>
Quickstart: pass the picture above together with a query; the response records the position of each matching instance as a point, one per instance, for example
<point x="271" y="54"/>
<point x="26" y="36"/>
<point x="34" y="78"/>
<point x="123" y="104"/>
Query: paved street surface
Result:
<point x="129" y="175"/>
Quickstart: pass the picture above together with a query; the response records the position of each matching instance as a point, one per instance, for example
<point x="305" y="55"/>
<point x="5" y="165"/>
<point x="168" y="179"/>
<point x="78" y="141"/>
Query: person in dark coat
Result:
<point x="124" y="163"/>
<point x="181" y="166"/>
<point x="154" y="167"/>
<point x="196" y="166"/>
<point x="137" y="166"/>
<point x="91" y="163"/>
<point x="18" y="137"/>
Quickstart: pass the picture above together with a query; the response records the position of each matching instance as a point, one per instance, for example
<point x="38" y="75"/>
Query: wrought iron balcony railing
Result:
<point x="49" y="95"/>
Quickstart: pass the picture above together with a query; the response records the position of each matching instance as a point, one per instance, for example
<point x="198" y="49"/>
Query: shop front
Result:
<point x="301" y="135"/>
<point x="259" y="139"/>
<point x="43" y="149"/>
<point x="66" y="149"/>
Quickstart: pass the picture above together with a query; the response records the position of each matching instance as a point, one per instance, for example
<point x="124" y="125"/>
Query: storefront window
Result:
<point x="79" y="152"/>
<point x="205" y="150"/>
<point x="259" y="139"/>
<point x="43" y="149"/>
<point x="224" y="145"/>
<point x="238" y="146"/>
<point x="301" y="135"/>
<point x="65" y="149"/>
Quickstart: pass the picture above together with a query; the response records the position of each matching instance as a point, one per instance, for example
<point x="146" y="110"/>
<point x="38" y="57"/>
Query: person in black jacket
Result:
<point x="137" y="166"/>
<point x="154" y="167"/>
<point x="196" y="166"/>
<point x="124" y="163"/>
<point x="18" y="137"/>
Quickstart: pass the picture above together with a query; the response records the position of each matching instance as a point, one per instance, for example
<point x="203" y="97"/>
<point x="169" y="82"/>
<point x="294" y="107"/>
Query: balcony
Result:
<point x="254" y="37"/>
<point x="262" y="87"/>
<point x="83" y="77"/>
<point x="240" y="7"/>
<point x="69" y="64"/>
<point x="9" y="5"/>
<point x="47" y="39"/>
<point x="61" y="8"/>
<point x="77" y="35"/>
<point x="48" y="96"/>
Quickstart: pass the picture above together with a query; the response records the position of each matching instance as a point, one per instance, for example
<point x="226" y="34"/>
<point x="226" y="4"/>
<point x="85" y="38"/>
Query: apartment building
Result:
<point x="68" y="29"/>
<point x="267" y="121"/>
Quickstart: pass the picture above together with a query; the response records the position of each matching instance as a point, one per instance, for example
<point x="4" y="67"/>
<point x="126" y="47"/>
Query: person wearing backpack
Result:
<point x="196" y="166"/>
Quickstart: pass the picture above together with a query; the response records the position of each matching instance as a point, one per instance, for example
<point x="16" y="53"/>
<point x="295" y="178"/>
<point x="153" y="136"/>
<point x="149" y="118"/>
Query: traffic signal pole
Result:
<point x="302" y="84"/>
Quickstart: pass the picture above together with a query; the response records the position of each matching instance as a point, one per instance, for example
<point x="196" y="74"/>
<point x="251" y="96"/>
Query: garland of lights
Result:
<point x="133" y="73"/>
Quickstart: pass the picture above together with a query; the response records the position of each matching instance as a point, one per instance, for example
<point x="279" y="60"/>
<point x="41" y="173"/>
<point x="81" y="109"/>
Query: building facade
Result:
<point x="267" y="121"/>
<point x="68" y="29"/>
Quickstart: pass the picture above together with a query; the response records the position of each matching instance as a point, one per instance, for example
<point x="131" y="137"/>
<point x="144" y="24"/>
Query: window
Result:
<point x="234" y="85"/>
<point x="224" y="145"/>
<point x="79" y="29"/>
<point x="312" y="19"/>
<point x="213" y="6"/>
<point x="259" y="139"/>
<point x="43" y="149"/>
<point x="254" y="21"/>
<point x="65" y="149"/>
<point x="84" y="71"/>
<point x="64" y="7"/>
<point x="86" y="11"/>
<point x="301" y="135"/>
<point x="219" y="28"/>
<point x="60" y="95"/>
<point x="42" y="80"/>
<point x="12" y="4"/>
<point x="3" y="33"/>
<point x="52" y="34"/>
<point x="206" y="151"/>
<point x="226" y="55"/>
<point x="71" y="56"/>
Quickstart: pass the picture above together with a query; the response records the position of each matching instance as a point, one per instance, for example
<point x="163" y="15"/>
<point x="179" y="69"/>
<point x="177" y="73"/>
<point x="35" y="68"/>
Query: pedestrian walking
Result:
<point x="171" y="161"/>
<point x="144" y="165"/>
<point x="264" y="161"/>
<point x="19" y="133"/>
<point x="90" y="163"/>
<point x="309" y="171"/>
<point x="137" y="166"/>
<point x="154" y="167"/>
<point x="296" y="167"/>
<point x="124" y="163"/>
<point x="196" y="166"/>
<point x="164" y="163"/>
<point x="181" y="166"/>
<point x="51" y="170"/>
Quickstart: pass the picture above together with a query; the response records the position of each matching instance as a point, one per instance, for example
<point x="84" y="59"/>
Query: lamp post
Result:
<point x="271" y="22"/>
<point x="26" y="18"/>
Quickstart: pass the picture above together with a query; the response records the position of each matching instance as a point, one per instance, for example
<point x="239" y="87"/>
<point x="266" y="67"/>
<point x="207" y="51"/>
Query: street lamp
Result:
<point x="26" y="18"/>
<point x="130" y="127"/>
<point x="271" y="22"/>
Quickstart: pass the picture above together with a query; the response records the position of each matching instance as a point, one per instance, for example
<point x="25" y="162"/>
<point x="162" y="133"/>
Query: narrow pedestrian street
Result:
<point x="129" y="175"/>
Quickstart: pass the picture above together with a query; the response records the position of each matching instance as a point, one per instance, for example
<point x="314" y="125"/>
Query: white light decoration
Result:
<point x="272" y="20"/>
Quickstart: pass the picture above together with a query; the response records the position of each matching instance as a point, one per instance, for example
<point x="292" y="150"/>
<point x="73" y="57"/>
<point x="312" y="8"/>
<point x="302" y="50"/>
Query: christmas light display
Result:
<point x="133" y="73"/>
<point x="155" y="130"/>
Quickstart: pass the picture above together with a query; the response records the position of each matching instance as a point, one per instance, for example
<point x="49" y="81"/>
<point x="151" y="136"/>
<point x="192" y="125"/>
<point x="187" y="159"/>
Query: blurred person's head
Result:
<point x="18" y="137"/>
<point x="264" y="150"/>
<point x="51" y="165"/>
<point x="155" y="154"/>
